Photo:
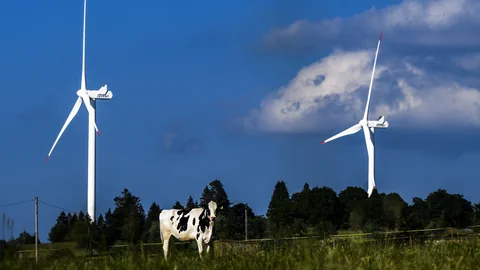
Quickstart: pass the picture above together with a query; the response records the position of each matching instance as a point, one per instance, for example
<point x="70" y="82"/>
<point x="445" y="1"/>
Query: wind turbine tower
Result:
<point x="89" y="98"/>
<point x="367" y="126"/>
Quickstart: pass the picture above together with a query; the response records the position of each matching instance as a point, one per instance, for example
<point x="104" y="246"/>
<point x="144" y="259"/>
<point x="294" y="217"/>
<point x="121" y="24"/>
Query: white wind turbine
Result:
<point x="89" y="98"/>
<point x="367" y="126"/>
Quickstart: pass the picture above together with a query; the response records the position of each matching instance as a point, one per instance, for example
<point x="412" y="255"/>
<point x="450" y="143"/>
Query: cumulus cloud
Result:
<point x="420" y="80"/>
<point x="413" y="22"/>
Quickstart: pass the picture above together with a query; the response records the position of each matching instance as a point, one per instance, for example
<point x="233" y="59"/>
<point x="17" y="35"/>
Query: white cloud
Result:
<point x="433" y="14"/>
<point x="338" y="75"/>
<point x="419" y="22"/>
<point x="410" y="89"/>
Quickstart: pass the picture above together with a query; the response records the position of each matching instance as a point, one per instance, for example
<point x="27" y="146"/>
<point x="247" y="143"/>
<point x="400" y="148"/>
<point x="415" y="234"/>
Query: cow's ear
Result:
<point x="221" y="207"/>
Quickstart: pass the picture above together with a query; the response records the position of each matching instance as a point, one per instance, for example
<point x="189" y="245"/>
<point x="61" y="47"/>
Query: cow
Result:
<point x="188" y="224"/>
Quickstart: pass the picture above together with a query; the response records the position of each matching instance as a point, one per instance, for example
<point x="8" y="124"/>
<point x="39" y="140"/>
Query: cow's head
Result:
<point x="212" y="208"/>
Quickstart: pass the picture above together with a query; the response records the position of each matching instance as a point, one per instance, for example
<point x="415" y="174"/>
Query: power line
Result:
<point x="46" y="203"/>
<point x="54" y="206"/>
<point x="17" y="203"/>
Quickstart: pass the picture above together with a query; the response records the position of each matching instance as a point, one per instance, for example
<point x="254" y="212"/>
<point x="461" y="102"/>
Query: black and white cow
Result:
<point x="188" y="224"/>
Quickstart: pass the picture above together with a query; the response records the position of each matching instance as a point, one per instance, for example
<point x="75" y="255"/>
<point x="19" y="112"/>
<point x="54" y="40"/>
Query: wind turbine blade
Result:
<point x="371" y="160"/>
<point x="365" y="115"/>
<point x="348" y="131"/>
<point x="90" y="109"/>
<point x="84" y="84"/>
<point x="72" y="114"/>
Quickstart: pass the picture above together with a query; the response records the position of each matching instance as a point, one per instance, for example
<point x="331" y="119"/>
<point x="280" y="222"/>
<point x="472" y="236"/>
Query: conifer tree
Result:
<point x="280" y="213"/>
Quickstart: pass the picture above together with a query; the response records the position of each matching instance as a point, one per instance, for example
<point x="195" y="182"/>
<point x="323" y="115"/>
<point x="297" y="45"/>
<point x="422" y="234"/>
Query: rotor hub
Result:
<point x="80" y="92"/>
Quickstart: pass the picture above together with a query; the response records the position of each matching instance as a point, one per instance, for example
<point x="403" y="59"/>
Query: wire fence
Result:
<point x="410" y="237"/>
<point x="223" y="247"/>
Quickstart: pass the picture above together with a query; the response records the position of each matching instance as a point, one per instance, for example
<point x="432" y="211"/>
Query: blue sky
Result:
<point x="198" y="88"/>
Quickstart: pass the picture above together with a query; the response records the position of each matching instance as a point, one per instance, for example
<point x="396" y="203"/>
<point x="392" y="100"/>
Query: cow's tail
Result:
<point x="160" y="226"/>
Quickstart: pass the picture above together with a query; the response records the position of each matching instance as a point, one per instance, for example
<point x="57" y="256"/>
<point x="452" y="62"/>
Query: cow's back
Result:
<point x="180" y="223"/>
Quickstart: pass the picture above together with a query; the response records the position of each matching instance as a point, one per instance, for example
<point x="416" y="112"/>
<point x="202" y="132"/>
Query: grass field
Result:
<point x="305" y="255"/>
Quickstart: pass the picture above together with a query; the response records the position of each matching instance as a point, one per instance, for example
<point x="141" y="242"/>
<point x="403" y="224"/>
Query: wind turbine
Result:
<point x="367" y="126"/>
<point x="89" y="98"/>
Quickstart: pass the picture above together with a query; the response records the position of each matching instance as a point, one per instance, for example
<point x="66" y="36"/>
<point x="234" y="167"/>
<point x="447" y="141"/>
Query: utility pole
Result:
<point x="36" y="229"/>
<point x="246" y="223"/>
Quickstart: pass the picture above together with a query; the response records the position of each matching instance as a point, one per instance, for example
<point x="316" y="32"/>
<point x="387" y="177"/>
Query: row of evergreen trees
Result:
<point x="312" y="211"/>
<point x="319" y="211"/>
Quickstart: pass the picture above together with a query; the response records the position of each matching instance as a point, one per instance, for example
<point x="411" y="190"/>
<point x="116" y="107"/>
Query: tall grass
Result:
<point x="311" y="255"/>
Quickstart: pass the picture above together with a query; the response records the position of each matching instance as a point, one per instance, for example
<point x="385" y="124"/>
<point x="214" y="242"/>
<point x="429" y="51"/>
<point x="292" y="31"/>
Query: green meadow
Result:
<point x="311" y="254"/>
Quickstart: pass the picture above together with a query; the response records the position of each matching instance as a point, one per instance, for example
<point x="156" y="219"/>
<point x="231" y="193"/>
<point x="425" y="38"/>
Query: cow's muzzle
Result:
<point x="213" y="218"/>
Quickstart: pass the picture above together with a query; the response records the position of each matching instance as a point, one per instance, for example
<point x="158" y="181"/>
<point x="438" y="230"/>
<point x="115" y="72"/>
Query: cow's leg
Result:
<point x="166" y="238"/>
<point x="208" y="248"/>
<point x="200" y="247"/>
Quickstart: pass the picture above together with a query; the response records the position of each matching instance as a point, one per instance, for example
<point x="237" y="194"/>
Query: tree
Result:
<point x="25" y="238"/>
<point x="80" y="230"/>
<point x="110" y="228"/>
<point x="129" y="216"/>
<point x="206" y="197"/>
<point x="461" y="214"/>
<point x="324" y="207"/>
<point x="436" y="202"/>
<point x="279" y="213"/>
<point x="257" y="227"/>
<point x="71" y="220"/>
<point x="177" y="205"/>
<point x="59" y="231"/>
<point x="96" y="237"/>
<point x="151" y="231"/>
<point x="301" y="204"/>
<point x="349" y="198"/>
<point x="190" y="204"/>
<point x="306" y="188"/>
<point x="417" y="214"/>
<point x="448" y="210"/>
<point x="153" y="214"/>
<point x="215" y="192"/>
<point x="101" y="222"/>
<point x="368" y="214"/>
<point x="394" y="211"/>
<point x="374" y="210"/>
<point x="318" y="208"/>
<point x="237" y="216"/>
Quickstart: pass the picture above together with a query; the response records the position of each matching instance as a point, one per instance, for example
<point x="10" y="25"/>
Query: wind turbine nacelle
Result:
<point x="107" y="95"/>
<point x="102" y="93"/>
<point x="385" y="124"/>
<point x="381" y="120"/>
<point x="103" y="89"/>
<point x="379" y="123"/>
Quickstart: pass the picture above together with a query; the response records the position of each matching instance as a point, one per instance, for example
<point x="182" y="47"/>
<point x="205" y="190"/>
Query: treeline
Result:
<point x="320" y="211"/>
<point x="312" y="211"/>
